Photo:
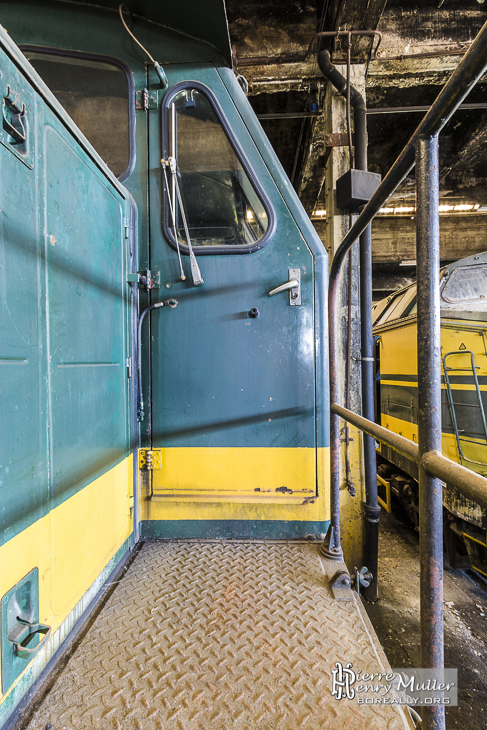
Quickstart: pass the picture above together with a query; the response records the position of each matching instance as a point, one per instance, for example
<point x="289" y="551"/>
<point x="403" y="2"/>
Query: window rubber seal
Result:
<point x="244" y="161"/>
<point x="111" y="61"/>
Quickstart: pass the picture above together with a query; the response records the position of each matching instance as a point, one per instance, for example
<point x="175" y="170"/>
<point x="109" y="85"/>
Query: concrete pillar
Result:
<point x="352" y="488"/>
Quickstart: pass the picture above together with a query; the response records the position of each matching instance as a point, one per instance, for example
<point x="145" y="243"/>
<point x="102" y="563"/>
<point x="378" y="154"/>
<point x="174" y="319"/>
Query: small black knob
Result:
<point x="254" y="312"/>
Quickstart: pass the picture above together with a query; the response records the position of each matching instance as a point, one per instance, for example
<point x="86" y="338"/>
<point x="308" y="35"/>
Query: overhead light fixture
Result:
<point x="443" y="208"/>
<point x="319" y="213"/>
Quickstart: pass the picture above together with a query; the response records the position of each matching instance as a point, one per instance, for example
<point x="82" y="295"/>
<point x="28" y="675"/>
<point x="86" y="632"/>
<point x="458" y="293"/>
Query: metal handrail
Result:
<point x="472" y="485"/>
<point x="465" y="76"/>
<point x="422" y="150"/>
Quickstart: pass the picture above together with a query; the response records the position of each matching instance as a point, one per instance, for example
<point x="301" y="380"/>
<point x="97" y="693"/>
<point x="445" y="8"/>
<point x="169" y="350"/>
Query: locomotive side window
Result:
<point x="96" y="96"/>
<point x="223" y="205"/>
<point x="466" y="284"/>
<point x="399" y="306"/>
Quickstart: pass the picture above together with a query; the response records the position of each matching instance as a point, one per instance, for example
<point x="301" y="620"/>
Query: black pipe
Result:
<point x="371" y="507"/>
<point x="429" y="414"/>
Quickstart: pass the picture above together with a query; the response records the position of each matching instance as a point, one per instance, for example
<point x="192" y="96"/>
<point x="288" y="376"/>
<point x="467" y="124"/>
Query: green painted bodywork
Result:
<point x="205" y="21"/>
<point x="233" y="380"/>
<point x="215" y="375"/>
<point x="64" y="311"/>
<point x="212" y="376"/>
<point x="233" y="530"/>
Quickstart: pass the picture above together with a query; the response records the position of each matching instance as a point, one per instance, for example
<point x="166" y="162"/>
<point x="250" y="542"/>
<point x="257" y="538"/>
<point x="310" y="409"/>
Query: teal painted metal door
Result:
<point x="64" y="314"/>
<point x="232" y="397"/>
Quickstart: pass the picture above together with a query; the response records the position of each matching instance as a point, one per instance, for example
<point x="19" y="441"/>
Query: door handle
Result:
<point x="293" y="285"/>
<point x="28" y="629"/>
<point x="13" y="119"/>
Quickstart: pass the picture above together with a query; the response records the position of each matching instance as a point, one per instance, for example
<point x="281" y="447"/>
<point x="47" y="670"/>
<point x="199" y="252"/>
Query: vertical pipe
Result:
<point x="332" y="546"/>
<point x="429" y="414"/>
<point x="371" y="506"/>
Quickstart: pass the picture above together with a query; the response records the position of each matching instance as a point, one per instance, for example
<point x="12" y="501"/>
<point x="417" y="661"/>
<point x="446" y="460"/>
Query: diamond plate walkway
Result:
<point x="218" y="636"/>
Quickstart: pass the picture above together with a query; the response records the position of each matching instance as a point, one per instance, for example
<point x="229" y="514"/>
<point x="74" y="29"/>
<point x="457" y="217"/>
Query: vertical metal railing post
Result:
<point x="429" y="414"/>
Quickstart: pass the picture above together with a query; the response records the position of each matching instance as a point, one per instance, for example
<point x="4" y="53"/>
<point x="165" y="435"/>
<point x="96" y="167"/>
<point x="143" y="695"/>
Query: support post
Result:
<point x="429" y="414"/>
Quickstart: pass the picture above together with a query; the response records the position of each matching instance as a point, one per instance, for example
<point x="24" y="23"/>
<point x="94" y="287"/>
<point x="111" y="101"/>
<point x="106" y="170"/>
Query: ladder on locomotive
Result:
<point x="460" y="411"/>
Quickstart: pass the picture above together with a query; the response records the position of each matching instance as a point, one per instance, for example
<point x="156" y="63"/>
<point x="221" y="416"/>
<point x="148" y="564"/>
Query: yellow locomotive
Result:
<point x="463" y="296"/>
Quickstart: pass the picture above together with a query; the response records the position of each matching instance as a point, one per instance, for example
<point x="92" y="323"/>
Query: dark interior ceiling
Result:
<point x="422" y="42"/>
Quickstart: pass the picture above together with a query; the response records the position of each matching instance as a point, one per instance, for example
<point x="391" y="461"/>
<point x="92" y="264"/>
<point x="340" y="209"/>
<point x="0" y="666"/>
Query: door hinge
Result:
<point x="150" y="459"/>
<point x="147" y="279"/>
<point x="145" y="99"/>
<point x="129" y="367"/>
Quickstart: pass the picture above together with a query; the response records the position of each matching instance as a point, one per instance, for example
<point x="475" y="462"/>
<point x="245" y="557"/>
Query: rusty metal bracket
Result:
<point x="336" y="139"/>
<point x="333" y="139"/>
<point x="145" y="99"/>
<point x="341" y="586"/>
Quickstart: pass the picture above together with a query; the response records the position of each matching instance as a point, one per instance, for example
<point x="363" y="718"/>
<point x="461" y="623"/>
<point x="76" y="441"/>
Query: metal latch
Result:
<point x="150" y="459"/>
<point x="293" y="285"/>
<point x="147" y="279"/>
<point x="145" y="99"/>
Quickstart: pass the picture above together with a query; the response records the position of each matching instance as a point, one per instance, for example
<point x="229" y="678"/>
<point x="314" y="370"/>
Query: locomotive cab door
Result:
<point x="233" y="368"/>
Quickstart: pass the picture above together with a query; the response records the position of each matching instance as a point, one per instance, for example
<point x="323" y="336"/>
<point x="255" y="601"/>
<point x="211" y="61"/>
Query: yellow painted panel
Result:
<point x="398" y="350"/>
<point x="190" y="471"/>
<point x="448" y="442"/>
<point x="87" y="530"/>
<point x="27" y="550"/>
<point x="309" y="508"/>
<point x="403" y="428"/>
<point x="398" y="346"/>
<point x="71" y="545"/>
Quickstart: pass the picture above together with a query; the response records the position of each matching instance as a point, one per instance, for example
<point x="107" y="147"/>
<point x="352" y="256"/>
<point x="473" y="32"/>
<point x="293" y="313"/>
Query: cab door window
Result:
<point x="225" y="207"/>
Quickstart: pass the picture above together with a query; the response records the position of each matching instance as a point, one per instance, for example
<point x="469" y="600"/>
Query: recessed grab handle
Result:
<point x="13" y="119"/>
<point x="30" y="628"/>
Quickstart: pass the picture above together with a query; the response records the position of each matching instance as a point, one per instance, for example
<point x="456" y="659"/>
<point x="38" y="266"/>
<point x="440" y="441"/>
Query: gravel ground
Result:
<point x="395" y="617"/>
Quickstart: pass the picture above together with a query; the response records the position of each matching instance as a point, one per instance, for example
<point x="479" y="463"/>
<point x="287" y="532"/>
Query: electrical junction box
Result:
<point x="356" y="188"/>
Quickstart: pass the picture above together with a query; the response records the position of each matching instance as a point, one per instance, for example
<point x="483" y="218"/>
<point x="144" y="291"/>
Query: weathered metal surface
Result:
<point x="234" y="380"/>
<point x="64" y="388"/>
<point x="429" y="414"/>
<point x="218" y="635"/>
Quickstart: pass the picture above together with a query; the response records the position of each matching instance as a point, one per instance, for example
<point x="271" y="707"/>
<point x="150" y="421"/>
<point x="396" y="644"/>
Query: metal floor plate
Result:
<point x="218" y="635"/>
